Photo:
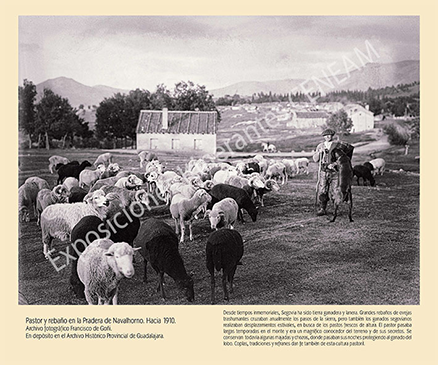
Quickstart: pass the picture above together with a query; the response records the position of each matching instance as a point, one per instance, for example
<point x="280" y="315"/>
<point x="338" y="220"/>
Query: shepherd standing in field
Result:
<point x="327" y="172"/>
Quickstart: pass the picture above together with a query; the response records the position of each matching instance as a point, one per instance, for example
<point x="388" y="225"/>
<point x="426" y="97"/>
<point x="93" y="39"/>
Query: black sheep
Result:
<point x="224" y="250"/>
<point x="251" y="167"/>
<point x="123" y="227"/>
<point x="159" y="246"/>
<point x="77" y="194"/>
<point x="88" y="229"/>
<point x="369" y="165"/>
<point x="222" y="191"/>
<point x="71" y="171"/>
<point x="71" y="163"/>
<point x="361" y="171"/>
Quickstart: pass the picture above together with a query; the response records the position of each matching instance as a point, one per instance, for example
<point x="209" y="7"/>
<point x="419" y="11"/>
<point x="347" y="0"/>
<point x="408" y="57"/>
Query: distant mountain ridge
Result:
<point x="374" y="75"/>
<point x="78" y="93"/>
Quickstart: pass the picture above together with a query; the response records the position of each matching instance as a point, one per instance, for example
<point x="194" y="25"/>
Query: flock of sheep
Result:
<point x="100" y="211"/>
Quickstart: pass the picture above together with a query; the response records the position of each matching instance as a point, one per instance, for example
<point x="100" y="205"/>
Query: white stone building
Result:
<point x="187" y="131"/>
<point x="363" y="119"/>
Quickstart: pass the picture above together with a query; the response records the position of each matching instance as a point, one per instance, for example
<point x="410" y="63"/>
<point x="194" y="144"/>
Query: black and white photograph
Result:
<point x="219" y="160"/>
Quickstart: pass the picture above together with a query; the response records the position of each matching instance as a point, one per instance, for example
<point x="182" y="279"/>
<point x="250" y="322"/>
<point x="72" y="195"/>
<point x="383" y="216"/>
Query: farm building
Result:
<point x="307" y="119"/>
<point x="362" y="118"/>
<point x="164" y="130"/>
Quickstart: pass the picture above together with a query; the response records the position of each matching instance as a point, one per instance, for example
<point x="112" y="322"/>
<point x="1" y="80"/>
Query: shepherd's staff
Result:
<point x="319" y="178"/>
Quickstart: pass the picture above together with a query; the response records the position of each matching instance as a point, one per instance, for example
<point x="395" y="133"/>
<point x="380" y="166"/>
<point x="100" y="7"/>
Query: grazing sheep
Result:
<point x="146" y="156"/>
<point x="58" y="220"/>
<point x="277" y="169"/>
<point x="341" y="192"/>
<point x="40" y="183"/>
<point x="125" y="196"/>
<point x="71" y="163"/>
<point x="112" y="170"/>
<point x="291" y="167"/>
<point x="248" y="184"/>
<point x="378" y="166"/>
<point x="222" y="191"/>
<point x="70" y="182"/>
<point x="87" y="178"/>
<point x="46" y="197"/>
<point x="101" y="267"/>
<point x="77" y="195"/>
<point x="109" y="181"/>
<point x="104" y="159"/>
<point x="131" y="182"/>
<point x="159" y="246"/>
<point x="361" y="171"/>
<point x="71" y="170"/>
<point x="27" y="196"/>
<point x="302" y="165"/>
<point x="184" y="210"/>
<point x="223" y="214"/>
<point x="270" y="185"/>
<point x="55" y="160"/>
<point x="224" y="250"/>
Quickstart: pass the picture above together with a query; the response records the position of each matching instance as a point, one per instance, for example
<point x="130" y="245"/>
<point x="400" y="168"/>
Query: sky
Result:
<point x="130" y="52"/>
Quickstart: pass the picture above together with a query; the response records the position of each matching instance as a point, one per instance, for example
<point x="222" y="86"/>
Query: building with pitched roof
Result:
<point x="189" y="131"/>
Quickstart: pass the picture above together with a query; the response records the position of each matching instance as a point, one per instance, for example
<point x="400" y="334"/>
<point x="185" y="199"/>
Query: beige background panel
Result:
<point x="198" y="336"/>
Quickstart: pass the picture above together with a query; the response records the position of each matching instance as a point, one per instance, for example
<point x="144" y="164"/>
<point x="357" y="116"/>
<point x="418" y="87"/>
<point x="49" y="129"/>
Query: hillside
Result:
<point x="374" y="75"/>
<point x="78" y="93"/>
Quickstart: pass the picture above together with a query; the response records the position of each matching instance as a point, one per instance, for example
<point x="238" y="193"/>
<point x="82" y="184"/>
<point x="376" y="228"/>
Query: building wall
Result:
<point x="362" y="121"/>
<point x="205" y="143"/>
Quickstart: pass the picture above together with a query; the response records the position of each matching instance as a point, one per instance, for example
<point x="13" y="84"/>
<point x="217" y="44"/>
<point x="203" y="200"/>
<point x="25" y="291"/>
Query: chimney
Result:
<point x="165" y="118"/>
<point x="367" y="107"/>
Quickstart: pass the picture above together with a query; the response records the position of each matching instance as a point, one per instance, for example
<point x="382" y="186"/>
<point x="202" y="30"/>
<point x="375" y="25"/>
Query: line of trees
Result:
<point x="117" y="116"/>
<point x="53" y="118"/>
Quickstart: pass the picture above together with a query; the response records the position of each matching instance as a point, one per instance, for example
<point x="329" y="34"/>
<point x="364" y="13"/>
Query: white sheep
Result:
<point x="291" y="167"/>
<point x="131" y="182"/>
<point x="58" y="220"/>
<point x="125" y="196"/>
<point x="40" y="183"/>
<point x="302" y="165"/>
<point x="379" y="166"/>
<point x="146" y="156"/>
<point x="101" y="267"/>
<point x="222" y="175"/>
<point x="184" y="210"/>
<point x="87" y="178"/>
<point x="263" y="163"/>
<point x="54" y="160"/>
<point x="277" y="169"/>
<point x="46" y="197"/>
<point x="27" y="196"/>
<point x="70" y="182"/>
<point x="104" y="158"/>
<point x="164" y="181"/>
<point x="223" y="214"/>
